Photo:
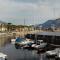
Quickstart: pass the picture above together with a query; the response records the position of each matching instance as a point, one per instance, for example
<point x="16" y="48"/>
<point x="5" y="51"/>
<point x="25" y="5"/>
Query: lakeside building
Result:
<point x="49" y="37"/>
<point x="24" y="29"/>
<point x="3" y="27"/>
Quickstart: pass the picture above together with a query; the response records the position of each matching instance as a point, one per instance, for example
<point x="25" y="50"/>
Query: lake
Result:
<point x="22" y="54"/>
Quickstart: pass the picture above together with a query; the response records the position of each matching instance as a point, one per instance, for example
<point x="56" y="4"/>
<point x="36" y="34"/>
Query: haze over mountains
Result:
<point x="49" y="23"/>
<point x="2" y="22"/>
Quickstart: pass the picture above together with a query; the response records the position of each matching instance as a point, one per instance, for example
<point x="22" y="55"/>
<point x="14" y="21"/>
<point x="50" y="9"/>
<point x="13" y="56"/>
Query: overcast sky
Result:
<point x="33" y="11"/>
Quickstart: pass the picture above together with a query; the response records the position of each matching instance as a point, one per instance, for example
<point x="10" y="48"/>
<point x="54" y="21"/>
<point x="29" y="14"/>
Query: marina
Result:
<point x="30" y="50"/>
<point x="29" y="30"/>
<point x="22" y="54"/>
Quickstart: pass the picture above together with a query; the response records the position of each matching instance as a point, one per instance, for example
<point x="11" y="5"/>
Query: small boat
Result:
<point x="13" y="41"/>
<point x="40" y="44"/>
<point x="51" y="53"/>
<point x="18" y="42"/>
<point x="23" y="43"/>
<point x="58" y="54"/>
<point x="26" y="43"/>
<point x="3" y="56"/>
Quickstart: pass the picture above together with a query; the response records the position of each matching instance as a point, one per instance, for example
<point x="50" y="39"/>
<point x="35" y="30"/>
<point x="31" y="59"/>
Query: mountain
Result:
<point x="1" y="22"/>
<point x="50" y="23"/>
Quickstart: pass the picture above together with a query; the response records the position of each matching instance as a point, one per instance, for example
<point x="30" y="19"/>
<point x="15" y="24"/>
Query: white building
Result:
<point x="3" y="26"/>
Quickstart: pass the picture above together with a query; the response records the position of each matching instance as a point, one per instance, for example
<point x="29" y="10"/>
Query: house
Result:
<point x="3" y="26"/>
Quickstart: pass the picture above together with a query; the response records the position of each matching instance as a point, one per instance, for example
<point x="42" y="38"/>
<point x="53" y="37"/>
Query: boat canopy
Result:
<point x="18" y="39"/>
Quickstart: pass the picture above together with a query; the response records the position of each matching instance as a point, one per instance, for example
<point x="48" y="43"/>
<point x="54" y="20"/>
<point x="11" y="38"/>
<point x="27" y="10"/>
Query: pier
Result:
<point x="49" y="37"/>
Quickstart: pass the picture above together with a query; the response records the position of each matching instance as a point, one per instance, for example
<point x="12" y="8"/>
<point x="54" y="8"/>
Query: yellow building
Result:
<point x="3" y="27"/>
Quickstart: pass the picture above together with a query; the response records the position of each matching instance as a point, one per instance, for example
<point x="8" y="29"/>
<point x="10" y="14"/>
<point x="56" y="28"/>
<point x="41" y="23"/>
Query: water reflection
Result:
<point x="21" y="54"/>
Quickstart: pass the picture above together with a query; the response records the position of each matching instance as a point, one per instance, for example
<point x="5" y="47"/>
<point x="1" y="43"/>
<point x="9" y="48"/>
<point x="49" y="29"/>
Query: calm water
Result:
<point x="20" y="54"/>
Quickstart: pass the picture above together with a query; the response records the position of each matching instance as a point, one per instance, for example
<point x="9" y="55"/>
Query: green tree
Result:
<point x="9" y="26"/>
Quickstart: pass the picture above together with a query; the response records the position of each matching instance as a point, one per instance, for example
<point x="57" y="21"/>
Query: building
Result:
<point x="3" y="26"/>
<point x="49" y="37"/>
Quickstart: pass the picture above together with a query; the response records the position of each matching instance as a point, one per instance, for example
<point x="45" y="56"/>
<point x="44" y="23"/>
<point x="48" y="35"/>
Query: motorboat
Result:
<point x="18" y="41"/>
<point x="13" y="41"/>
<point x="3" y="56"/>
<point x="23" y="43"/>
<point x="52" y="53"/>
<point x="40" y="44"/>
<point x="26" y="43"/>
<point x="58" y="54"/>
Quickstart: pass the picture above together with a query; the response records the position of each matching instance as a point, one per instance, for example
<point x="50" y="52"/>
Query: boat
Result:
<point x="53" y="53"/>
<point x="58" y="57"/>
<point x="40" y="44"/>
<point x="27" y="43"/>
<point x="58" y="54"/>
<point x="3" y="56"/>
<point x="13" y="41"/>
<point x="23" y="43"/>
<point x="18" y="41"/>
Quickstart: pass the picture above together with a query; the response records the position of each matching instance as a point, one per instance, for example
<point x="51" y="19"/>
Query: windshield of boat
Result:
<point x="19" y="39"/>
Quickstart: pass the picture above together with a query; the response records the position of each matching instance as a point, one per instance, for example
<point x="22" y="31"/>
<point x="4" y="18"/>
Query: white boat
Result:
<point x="23" y="43"/>
<point x="33" y="45"/>
<point x="40" y="44"/>
<point x="26" y="42"/>
<point x="52" y="53"/>
<point x="58" y="53"/>
<point x="13" y="41"/>
<point x="3" y="56"/>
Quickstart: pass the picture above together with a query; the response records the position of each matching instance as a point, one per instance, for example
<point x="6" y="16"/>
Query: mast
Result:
<point x="35" y="35"/>
<point x="35" y="32"/>
<point x="24" y="28"/>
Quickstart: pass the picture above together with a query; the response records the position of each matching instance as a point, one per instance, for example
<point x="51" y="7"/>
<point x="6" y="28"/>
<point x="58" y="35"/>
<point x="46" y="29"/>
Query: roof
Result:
<point x="49" y="33"/>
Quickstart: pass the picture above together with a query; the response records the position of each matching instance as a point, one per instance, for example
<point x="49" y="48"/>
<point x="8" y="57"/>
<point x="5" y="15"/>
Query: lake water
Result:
<point x="22" y="54"/>
<point x="5" y="38"/>
<point x="19" y="54"/>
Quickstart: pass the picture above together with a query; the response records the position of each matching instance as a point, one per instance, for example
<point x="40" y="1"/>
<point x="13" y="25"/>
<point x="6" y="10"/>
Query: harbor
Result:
<point x="29" y="30"/>
<point x="21" y="54"/>
<point x="32" y="52"/>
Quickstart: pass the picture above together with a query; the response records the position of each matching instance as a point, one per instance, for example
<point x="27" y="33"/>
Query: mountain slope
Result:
<point x="50" y="23"/>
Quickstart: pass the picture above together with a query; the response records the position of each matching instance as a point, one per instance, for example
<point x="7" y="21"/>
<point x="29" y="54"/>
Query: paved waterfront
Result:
<point x="20" y="54"/>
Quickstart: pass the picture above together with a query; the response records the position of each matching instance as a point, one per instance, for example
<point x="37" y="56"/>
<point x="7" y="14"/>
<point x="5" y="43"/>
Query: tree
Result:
<point x="9" y="26"/>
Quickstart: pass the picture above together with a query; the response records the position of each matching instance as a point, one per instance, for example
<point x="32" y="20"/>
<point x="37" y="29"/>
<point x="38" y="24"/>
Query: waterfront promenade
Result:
<point x="22" y="33"/>
<point x="5" y="37"/>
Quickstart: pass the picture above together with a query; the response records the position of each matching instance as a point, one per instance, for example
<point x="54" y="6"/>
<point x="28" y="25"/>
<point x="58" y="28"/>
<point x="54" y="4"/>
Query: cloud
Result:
<point x="31" y="10"/>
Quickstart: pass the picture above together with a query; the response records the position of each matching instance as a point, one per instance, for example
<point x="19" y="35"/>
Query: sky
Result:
<point x="30" y="11"/>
